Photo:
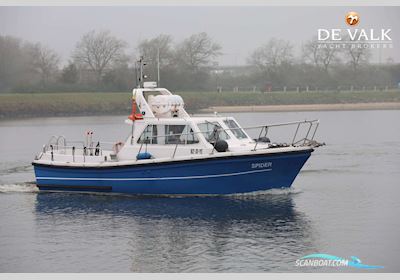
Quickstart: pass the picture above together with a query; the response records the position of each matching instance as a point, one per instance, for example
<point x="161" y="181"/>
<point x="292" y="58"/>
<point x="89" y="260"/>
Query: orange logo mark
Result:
<point x="352" y="18"/>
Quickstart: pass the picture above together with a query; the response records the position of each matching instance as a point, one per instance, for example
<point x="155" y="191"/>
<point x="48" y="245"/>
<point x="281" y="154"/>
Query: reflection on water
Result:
<point x="181" y="234"/>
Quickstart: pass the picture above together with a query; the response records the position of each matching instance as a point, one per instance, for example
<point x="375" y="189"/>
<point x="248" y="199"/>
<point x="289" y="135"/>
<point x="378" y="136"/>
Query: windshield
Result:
<point x="236" y="130"/>
<point x="212" y="131"/>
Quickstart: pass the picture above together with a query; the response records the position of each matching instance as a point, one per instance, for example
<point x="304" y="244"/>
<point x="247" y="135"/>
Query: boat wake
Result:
<point x="28" y="187"/>
<point x="283" y="191"/>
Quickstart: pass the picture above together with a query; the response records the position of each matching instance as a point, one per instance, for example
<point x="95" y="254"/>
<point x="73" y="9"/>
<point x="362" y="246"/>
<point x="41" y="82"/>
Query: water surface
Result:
<point x="345" y="202"/>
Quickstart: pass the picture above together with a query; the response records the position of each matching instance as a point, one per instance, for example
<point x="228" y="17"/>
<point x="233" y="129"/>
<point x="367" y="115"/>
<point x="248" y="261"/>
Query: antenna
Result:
<point x="137" y="74"/>
<point x="139" y="70"/>
<point x="158" y="66"/>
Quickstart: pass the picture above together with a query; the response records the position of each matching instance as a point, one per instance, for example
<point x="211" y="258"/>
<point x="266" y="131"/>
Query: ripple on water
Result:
<point x="11" y="168"/>
<point x="30" y="187"/>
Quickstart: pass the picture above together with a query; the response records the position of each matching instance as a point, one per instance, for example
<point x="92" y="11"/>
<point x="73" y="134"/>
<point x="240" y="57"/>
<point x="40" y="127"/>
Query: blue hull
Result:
<point x="227" y="175"/>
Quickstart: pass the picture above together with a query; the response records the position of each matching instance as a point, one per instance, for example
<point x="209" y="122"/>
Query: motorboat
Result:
<point x="170" y="152"/>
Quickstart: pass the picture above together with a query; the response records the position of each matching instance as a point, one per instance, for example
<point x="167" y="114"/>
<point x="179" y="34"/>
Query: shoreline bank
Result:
<point x="21" y="106"/>
<point x="303" y="107"/>
<point x="237" y="109"/>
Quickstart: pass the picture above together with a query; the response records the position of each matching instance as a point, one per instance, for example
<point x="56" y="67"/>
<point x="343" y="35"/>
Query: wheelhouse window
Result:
<point x="180" y="134"/>
<point x="236" y="130"/>
<point x="169" y="134"/>
<point x="212" y="131"/>
<point x="149" y="135"/>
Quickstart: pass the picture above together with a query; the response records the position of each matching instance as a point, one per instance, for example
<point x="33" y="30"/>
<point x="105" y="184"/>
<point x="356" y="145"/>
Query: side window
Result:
<point x="149" y="135"/>
<point x="236" y="130"/>
<point x="212" y="131"/>
<point x="191" y="137"/>
<point x="180" y="134"/>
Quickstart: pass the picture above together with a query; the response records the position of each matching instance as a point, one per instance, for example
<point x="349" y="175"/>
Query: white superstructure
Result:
<point x="161" y="129"/>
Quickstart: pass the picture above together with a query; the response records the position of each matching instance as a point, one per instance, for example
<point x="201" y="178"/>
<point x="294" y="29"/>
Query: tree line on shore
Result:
<point x="102" y="62"/>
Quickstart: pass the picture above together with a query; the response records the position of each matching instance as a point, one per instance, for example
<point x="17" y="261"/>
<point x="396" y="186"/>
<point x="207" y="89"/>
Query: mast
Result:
<point x="158" y="66"/>
<point x="139" y="72"/>
<point x="139" y="79"/>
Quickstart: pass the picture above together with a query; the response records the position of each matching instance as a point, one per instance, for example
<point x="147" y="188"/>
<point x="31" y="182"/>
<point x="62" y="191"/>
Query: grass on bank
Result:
<point x="20" y="105"/>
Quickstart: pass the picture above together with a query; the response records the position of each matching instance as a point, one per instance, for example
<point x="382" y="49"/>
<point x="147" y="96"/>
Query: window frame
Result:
<point x="207" y="133"/>
<point x="236" y="129"/>
<point x="188" y="131"/>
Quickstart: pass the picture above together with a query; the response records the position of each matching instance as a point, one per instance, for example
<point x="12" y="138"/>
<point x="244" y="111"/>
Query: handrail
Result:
<point x="51" y="138"/>
<point x="306" y="140"/>
<point x="237" y="128"/>
<point x="264" y="129"/>
<point x="73" y="149"/>
<point x="219" y="129"/>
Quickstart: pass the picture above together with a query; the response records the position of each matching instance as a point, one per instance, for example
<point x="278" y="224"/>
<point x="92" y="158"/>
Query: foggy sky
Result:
<point x="239" y="30"/>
